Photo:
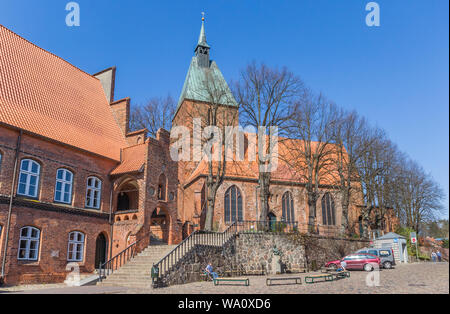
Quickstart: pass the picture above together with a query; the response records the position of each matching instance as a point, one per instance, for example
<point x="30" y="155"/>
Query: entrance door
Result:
<point x="100" y="251"/>
<point x="272" y="221"/>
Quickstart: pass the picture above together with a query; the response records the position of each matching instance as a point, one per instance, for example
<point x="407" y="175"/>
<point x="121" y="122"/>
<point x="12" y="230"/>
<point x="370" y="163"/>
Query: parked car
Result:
<point x="365" y="262"/>
<point x="386" y="255"/>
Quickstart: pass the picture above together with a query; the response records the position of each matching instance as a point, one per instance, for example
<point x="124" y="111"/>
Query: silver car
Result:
<point x="386" y="255"/>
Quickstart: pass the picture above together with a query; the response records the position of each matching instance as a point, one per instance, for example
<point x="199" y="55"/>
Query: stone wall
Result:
<point x="252" y="253"/>
<point x="191" y="266"/>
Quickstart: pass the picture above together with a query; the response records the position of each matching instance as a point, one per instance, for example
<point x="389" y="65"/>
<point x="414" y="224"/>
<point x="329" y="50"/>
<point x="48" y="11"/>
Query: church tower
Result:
<point x="203" y="76"/>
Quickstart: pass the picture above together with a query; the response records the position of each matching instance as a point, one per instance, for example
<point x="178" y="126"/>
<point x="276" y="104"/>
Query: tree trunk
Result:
<point x="312" y="204"/>
<point x="366" y="221"/>
<point x="211" y="200"/>
<point x="264" y="195"/>
<point x="345" y="230"/>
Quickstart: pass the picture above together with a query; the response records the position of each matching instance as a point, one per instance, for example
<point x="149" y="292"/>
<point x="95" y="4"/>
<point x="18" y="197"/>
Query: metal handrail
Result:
<point x="120" y="259"/>
<point x="196" y="238"/>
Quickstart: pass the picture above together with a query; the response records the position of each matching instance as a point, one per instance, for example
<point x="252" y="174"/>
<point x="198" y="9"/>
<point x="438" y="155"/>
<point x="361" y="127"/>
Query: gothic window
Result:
<point x="63" y="187"/>
<point x="162" y="189"/>
<point x="29" y="244"/>
<point x="328" y="210"/>
<point x="75" y="251"/>
<point x="93" y="192"/>
<point x="233" y="205"/>
<point x="29" y="178"/>
<point x="288" y="207"/>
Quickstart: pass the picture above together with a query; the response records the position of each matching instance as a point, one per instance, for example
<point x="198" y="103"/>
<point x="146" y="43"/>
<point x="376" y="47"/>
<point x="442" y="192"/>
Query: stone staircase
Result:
<point x="136" y="273"/>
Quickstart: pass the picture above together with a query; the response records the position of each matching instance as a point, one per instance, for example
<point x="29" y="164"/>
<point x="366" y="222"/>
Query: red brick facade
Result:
<point x="143" y="193"/>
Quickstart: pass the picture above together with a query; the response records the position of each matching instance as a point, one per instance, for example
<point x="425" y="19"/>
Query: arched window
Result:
<point x="328" y="210"/>
<point x="288" y="207"/>
<point x="29" y="178"/>
<point x="233" y="205"/>
<point x="63" y="187"/>
<point x="162" y="190"/>
<point x="29" y="244"/>
<point x="93" y="192"/>
<point x="75" y="250"/>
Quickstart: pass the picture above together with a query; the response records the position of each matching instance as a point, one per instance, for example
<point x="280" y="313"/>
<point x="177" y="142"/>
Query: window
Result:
<point x="76" y="247"/>
<point x="288" y="207"/>
<point x="29" y="178"/>
<point x="385" y="253"/>
<point x="373" y="252"/>
<point x="93" y="192"/>
<point x="1" y="160"/>
<point x="162" y="188"/>
<point x="29" y="244"/>
<point x="233" y="205"/>
<point x="328" y="211"/>
<point x="63" y="187"/>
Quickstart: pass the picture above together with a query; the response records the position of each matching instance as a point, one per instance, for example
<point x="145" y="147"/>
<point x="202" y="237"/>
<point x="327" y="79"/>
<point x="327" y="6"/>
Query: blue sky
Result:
<point x="397" y="74"/>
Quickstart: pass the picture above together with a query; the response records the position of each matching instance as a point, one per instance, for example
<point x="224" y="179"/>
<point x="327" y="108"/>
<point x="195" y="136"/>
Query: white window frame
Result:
<point x="29" y="174"/>
<point x="28" y="241"/>
<point x="64" y="183"/>
<point x="90" y="193"/>
<point x="78" y="246"/>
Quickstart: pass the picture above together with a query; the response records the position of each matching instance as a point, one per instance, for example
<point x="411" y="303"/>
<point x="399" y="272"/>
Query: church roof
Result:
<point x="196" y="85"/>
<point x="47" y="96"/>
<point x="201" y="81"/>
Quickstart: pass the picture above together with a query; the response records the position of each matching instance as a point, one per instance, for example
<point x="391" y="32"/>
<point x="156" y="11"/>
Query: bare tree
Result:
<point x="266" y="97"/>
<point x="311" y="156"/>
<point x="157" y="113"/>
<point x="350" y="137"/>
<point x="376" y="169"/>
<point x="418" y="198"/>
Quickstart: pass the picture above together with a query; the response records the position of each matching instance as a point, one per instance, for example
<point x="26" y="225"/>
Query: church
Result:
<point x="78" y="186"/>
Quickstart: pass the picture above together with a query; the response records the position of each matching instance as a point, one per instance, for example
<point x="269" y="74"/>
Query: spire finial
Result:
<point x="202" y="38"/>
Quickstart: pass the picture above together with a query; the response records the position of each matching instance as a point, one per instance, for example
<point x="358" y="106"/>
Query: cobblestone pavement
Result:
<point x="411" y="278"/>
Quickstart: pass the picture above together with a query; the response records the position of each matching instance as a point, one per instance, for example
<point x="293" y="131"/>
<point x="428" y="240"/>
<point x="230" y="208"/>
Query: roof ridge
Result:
<point x="46" y="51"/>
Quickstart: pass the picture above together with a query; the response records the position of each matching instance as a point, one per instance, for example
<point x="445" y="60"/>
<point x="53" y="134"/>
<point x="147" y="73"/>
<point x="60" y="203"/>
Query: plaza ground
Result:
<point x="428" y="278"/>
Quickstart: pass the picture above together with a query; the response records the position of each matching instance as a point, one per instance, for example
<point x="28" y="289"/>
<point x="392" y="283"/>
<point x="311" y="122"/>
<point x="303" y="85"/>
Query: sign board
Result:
<point x="413" y="237"/>
<point x="395" y="240"/>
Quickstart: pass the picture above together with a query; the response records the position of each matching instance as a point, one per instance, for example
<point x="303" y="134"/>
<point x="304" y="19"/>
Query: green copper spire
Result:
<point x="202" y="37"/>
<point x="203" y="72"/>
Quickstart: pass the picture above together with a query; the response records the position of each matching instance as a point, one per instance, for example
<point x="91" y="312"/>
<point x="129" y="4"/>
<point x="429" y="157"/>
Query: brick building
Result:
<point x="76" y="185"/>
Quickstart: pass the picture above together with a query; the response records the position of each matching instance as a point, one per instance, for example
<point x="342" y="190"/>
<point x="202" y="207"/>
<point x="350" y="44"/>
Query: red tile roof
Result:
<point x="288" y="169"/>
<point x="133" y="158"/>
<point x="43" y="94"/>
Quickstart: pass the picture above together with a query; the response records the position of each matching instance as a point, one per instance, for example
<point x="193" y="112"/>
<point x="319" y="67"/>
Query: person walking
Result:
<point x="439" y="256"/>
<point x="433" y="256"/>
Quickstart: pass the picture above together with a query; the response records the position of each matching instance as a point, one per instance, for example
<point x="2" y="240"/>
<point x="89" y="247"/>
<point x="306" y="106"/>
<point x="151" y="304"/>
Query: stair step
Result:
<point x="136" y="272"/>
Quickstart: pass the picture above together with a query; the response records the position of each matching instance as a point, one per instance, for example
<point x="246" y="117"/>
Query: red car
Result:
<point x="365" y="262"/>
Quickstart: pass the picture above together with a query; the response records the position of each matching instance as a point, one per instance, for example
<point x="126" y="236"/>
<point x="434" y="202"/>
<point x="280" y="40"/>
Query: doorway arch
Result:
<point x="101" y="247"/>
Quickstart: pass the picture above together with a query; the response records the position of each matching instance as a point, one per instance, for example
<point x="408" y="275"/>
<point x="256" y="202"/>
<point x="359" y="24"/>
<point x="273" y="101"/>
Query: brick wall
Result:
<point x="54" y="220"/>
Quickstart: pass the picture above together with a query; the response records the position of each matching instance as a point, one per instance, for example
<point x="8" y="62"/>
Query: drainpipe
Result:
<point x="11" y="198"/>
<point x="111" y="222"/>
